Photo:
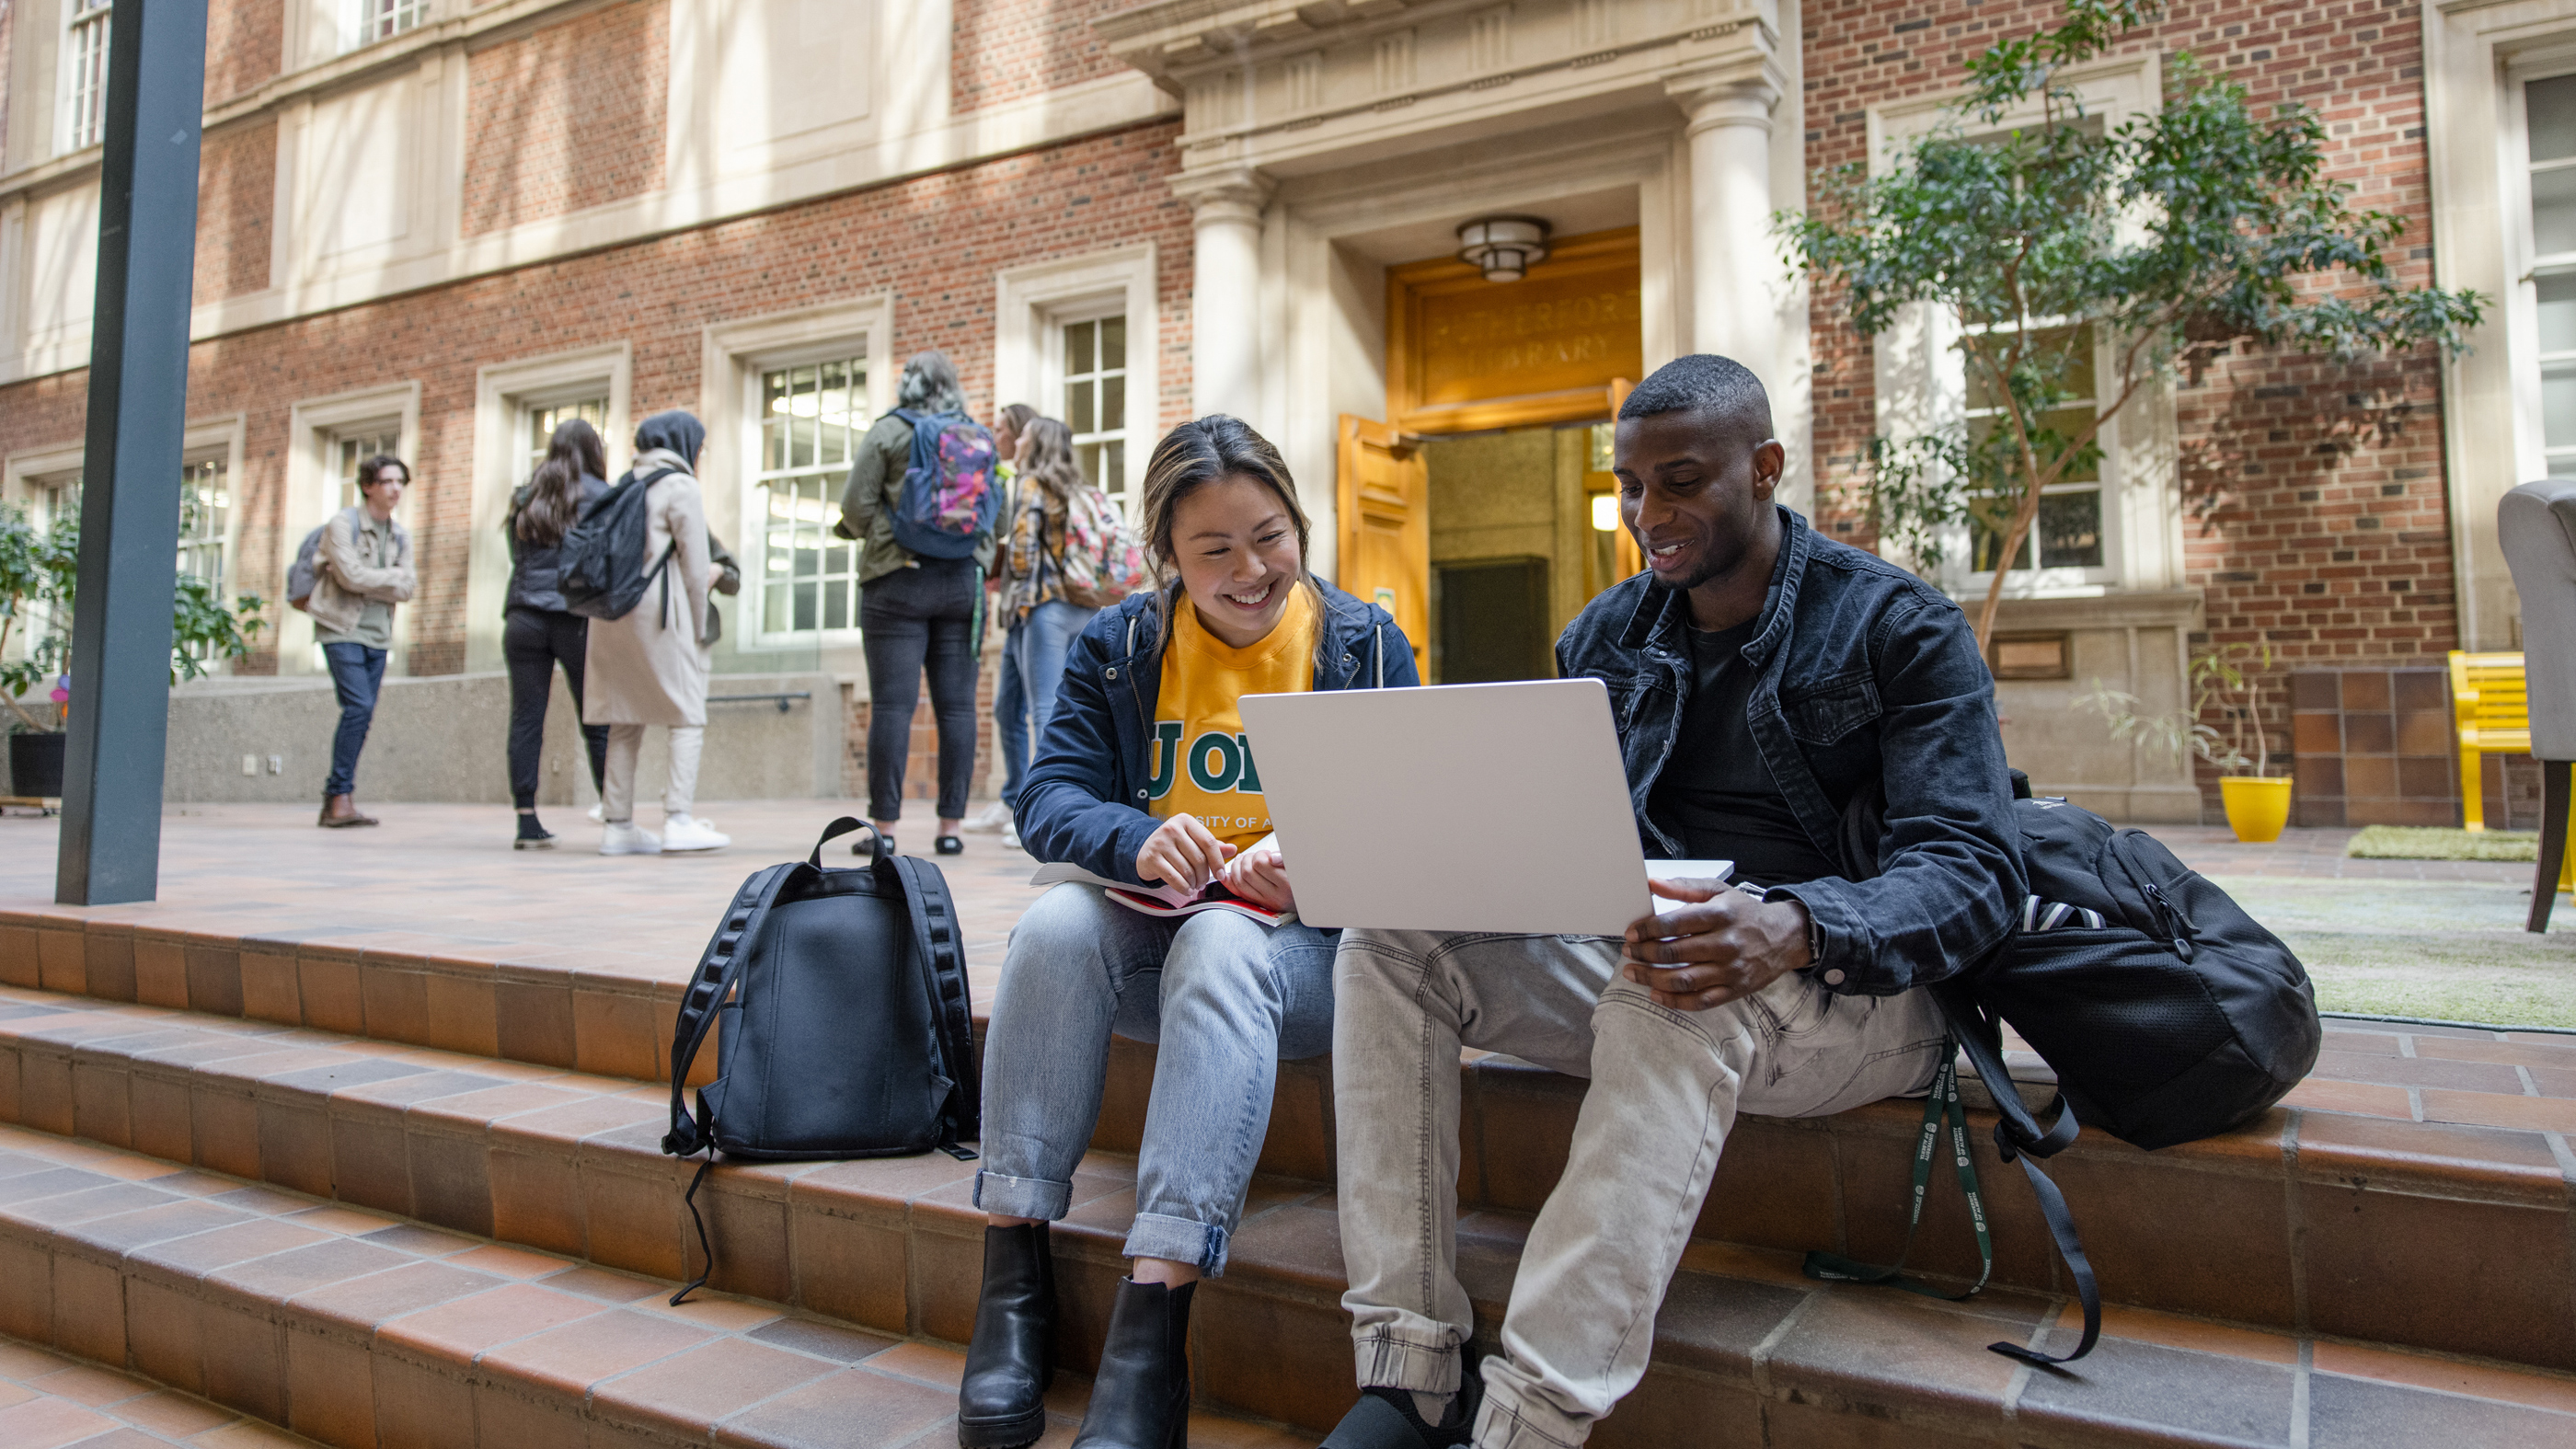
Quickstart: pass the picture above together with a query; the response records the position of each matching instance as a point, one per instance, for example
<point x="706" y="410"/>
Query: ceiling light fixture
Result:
<point x="1504" y="248"/>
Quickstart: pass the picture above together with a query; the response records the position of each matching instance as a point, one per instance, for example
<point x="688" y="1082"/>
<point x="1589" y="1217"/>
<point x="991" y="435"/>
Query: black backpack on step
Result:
<point x="843" y="999"/>
<point x="2167" y="1012"/>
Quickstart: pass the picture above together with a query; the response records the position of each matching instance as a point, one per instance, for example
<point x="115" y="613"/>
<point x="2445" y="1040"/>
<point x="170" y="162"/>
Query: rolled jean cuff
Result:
<point x="1505" y="1423"/>
<point x="1178" y="1240"/>
<point x="1022" y="1197"/>
<point x="1384" y="1361"/>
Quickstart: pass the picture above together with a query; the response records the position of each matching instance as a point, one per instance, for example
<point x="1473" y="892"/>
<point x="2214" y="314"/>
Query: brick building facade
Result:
<point x="441" y="225"/>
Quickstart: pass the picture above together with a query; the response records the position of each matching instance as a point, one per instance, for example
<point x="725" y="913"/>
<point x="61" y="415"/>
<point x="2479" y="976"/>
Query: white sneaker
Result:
<point x="596" y="817"/>
<point x="1011" y="836"/>
<point x="996" y="816"/>
<point x="629" y="839"/>
<point x="687" y="833"/>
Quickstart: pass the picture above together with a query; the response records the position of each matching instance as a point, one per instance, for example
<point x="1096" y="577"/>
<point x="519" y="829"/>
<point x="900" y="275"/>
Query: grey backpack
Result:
<point x="299" y="577"/>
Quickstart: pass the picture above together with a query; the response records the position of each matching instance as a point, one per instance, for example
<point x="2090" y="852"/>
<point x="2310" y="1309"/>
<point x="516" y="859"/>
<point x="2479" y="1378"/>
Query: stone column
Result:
<point x="1225" y="305"/>
<point x="1736" y="271"/>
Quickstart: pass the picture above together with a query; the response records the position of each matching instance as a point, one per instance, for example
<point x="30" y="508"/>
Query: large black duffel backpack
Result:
<point x="846" y="1030"/>
<point x="2167" y="1012"/>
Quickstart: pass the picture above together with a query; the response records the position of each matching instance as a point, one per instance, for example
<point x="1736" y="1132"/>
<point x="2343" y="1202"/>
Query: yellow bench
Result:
<point x="2488" y="706"/>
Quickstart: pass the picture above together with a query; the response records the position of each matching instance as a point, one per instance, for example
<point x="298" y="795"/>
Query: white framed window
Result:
<point x="2067" y="543"/>
<point x="1094" y="397"/>
<point x="2549" y="135"/>
<point x="542" y="418"/>
<point x="352" y="447"/>
<point x="385" y="19"/>
<point x="812" y="416"/>
<point x="85" y="27"/>
<point x="205" y="519"/>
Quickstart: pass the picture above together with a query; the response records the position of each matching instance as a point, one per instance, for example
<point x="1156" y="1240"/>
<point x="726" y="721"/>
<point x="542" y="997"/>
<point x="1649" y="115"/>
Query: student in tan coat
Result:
<point x="650" y="667"/>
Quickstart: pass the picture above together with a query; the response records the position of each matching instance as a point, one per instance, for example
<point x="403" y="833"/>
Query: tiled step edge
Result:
<point x="48" y="1399"/>
<point x="361" y="1330"/>
<point x="2312" y="1221"/>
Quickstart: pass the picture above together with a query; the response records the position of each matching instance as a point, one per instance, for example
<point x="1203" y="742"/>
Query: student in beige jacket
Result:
<point x="649" y="667"/>
<point x="362" y="568"/>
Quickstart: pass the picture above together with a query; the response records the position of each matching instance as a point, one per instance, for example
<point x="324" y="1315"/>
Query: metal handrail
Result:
<point x="782" y="699"/>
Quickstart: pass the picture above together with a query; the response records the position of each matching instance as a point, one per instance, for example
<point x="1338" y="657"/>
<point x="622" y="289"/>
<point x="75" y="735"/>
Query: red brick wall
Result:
<point x="932" y="242"/>
<point x="1008" y="50"/>
<point x="567" y="117"/>
<point x="244" y="42"/>
<point x="236" y="203"/>
<point x="2314" y="510"/>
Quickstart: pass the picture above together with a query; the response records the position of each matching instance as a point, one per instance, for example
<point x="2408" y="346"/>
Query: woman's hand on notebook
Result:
<point x="1260" y="875"/>
<point x="1182" y="854"/>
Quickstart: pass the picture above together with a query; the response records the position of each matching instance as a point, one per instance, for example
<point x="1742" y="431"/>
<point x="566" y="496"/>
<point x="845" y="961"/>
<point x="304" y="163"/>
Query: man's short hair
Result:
<point x="368" y="470"/>
<point x="1704" y="382"/>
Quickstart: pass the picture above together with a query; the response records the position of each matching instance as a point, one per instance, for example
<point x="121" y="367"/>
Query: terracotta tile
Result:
<point x="300" y="1270"/>
<point x="62" y="963"/>
<point x="214" y="978"/>
<point x="295" y="1147"/>
<point x="396" y="1002"/>
<point x="89" y="1309"/>
<point x="749" y="1234"/>
<point x="2359" y="1097"/>
<point x="448" y="1182"/>
<point x="455" y="1332"/>
<point x="90" y="1384"/>
<point x="227" y="1130"/>
<point x="417" y="1406"/>
<point x="504" y="1262"/>
<point x="823" y="1340"/>
<point x="536" y="1200"/>
<point x="360" y="1304"/>
<point x="1767" y="1184"/>
<point x="175" y="1415"/>
<point x="245" y="1361"/>
<point x="2369" y="733"/>
<point x="1299" y="1140"/>
<point x="1279" y="1359"/>
<point x="2137" y="1390"/>
<point x="2366" y="689"/>
<point x="330" y="1390"/>
<point x="613" y="1035"/>
<point x="25" y="1361"/>
<point x="193" y="1257"/>
<point x="49" y="1423"/>
<point x="371" y="1161"/>
<point x="2230" y="1256"/>
<point x="328" y="985"/>
<point x="108" y="959"/>
<point x="338" y="1220"/>
<point x="2417" y="1072"/>
<point x="534" y="1023"/>
<point x="728" y="1315"/>
<point x="2488" y="1109"/>
<point x="422" y="1242"/>
<point x="683" y="1395"/>
<point x="507" y="1416"/>
<point x="272" y="988"/>
<point x="2372" y="1413"/>
<point x="102" y="1105"/>
<point x="2442" y="1157"/>
<point x="1857" y="1343"/>
<point x="20" y="964"/>
<point x="849" y="1268"/>
<point x="852" y="1406"/>
<point x="634" y="1222"/>
<point x="2450" y="1376"/>
<point x="45" y="1100"/>
<point x="162" y="1333"/>
<point x="160" y="972"/>
<point x="568" y="1360"/>
<point x="605" y="1286"/>
<point x="172" y="1219"/>
<point x="161" y="1119"/>
<point x="2525" y="1051"/>
<point x="460" y="1013"/>
<point x="2392" y="1267"/>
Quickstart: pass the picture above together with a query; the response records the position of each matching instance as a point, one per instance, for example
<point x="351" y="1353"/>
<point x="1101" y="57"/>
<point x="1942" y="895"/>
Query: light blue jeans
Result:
<point x="1011" y="718"/>
<point x="1045" y="637"/>
<point x="1224" y="999"/>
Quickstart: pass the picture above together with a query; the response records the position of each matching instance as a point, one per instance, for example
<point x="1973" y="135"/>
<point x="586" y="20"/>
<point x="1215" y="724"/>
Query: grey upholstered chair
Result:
<point x="2536" y="524"/>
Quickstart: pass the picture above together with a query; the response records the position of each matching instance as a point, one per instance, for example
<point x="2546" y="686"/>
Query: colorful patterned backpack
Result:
<point x="952" y="493"/>
<point x="1098" y="562"/>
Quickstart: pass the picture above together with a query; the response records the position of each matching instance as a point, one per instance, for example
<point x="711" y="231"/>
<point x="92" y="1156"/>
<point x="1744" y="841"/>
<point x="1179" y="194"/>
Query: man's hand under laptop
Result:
<point x="1720" y="945"/>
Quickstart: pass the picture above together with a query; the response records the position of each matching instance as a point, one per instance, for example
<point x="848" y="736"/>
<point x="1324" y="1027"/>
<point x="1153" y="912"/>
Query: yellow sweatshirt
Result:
<point x="1212" y="777"/>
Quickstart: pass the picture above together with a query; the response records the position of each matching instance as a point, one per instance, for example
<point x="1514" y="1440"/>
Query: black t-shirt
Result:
<point x="1716" y="787"/>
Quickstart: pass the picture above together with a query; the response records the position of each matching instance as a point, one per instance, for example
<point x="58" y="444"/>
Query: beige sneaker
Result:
<point x="628" y="839"/>
<point x="996" y="816"/>
<point x="684" y="833"/>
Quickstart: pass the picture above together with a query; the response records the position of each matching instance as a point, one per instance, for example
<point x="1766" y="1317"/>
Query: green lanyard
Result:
<point x="1943" y="1101"/>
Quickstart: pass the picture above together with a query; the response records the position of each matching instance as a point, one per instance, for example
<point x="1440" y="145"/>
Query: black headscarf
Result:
<point x="673" y="432"/>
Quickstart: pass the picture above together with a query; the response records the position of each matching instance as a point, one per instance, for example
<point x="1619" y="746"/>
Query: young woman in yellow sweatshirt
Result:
<point x="1145" y="775"/>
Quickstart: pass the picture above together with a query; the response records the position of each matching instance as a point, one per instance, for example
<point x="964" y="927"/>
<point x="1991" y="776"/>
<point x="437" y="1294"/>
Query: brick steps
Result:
<point x="47" y="1400"/>
<point x="361" y="1330"/>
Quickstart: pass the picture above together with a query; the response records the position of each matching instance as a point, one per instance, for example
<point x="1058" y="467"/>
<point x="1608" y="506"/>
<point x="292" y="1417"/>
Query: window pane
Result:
<point x="2558" y="314"/>
<point x="1077" y="407"/>
<point x="1077" y="349"/>
<point x="2553" y="211"/>
<point x="1088" y="456"/>
<point x="1113" y="468"/>
<point x="2066" y="352"/>
<point x="2551" y="107"/>
<point x="812" y="418"/>
<point x="1113" y="343"/>
<point x="2070" y="530"/>
<point x="2558" y="405"/>
<point x="1113" y="404"/>
<point x="1986" y="544"/>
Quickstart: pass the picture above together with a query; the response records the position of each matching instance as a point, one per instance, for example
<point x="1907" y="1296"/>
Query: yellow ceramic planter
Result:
<point x="2257" y="805"/>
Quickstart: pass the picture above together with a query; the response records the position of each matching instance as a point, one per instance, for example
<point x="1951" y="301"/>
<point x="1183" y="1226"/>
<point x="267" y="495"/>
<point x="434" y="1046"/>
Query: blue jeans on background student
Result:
<point x="1043" y="639"/>
<point x="1011" y="717"/>
<point x="357" y="675"/>
<point x="1225" y="998"/>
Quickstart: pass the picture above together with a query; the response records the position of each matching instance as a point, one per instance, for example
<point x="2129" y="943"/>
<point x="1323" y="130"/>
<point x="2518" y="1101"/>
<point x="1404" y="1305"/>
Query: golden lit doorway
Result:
<point x="1475" y="514"/>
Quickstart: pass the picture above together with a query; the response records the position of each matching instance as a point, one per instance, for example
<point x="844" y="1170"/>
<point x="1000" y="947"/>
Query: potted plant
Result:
<point x="39" y="574"/>
<point x="2225" y="679"/>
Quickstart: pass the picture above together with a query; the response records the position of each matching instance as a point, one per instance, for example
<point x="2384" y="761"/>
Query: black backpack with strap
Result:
<point x="601" y="562"/>
<point x="2167" y="1012"/>
<point x="843" y="999"/>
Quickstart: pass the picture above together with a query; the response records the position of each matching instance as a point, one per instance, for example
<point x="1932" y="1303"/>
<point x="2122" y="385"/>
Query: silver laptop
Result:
<point x="1463" y="807"/>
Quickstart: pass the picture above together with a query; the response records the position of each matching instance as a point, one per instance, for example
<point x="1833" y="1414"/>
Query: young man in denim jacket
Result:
<point x="1762" y="677"/>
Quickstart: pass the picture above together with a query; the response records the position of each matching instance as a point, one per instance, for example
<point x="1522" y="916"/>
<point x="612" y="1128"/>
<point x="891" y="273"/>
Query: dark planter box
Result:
<point x="36" y="765"/>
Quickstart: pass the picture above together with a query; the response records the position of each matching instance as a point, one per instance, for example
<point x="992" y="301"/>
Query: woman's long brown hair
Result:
<point x="1048" y="445"/>
<point x="554" y="490"/>
<point x="1190" y="457"/>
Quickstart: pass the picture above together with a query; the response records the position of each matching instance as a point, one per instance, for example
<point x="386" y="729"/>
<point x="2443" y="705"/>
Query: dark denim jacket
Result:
<point x="1866" y="676"/>
<point x="1084" y="801"/>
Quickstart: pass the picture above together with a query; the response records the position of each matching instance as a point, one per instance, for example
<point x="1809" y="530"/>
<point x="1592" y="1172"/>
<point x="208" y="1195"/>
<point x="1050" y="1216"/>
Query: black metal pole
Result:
<point x="138" y="408"/>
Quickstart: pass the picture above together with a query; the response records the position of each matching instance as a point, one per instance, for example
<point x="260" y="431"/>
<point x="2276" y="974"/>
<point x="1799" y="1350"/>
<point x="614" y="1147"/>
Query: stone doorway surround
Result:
<point x="1326" y="140"/>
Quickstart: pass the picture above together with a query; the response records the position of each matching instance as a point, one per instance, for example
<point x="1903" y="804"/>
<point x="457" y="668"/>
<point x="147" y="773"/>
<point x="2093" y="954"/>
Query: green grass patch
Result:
<point x="2451" y="950"/>
<point x="2407" y="842"/>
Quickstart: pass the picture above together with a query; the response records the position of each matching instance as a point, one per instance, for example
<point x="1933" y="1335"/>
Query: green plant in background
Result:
<point x="39" y="577"/>
<point x="2224" y="679"/>
<point x="2055" y="238"/>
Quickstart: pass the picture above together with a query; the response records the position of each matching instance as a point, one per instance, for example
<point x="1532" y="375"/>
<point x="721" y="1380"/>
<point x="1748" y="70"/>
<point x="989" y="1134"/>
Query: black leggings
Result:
<point x="910" y="619"/>
<point x="534" y="642"/>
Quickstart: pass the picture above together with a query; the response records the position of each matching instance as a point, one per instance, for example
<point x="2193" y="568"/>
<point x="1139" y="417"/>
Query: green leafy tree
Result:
<point x="2167" y="238"/>
<point x="39" y="577"/>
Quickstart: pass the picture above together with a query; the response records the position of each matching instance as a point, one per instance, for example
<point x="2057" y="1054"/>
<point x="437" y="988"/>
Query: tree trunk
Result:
<point x="2024" y="518"/>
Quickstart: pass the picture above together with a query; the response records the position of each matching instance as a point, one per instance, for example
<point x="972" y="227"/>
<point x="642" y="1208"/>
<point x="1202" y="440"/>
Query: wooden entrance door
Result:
<point x="1385" y="513"/>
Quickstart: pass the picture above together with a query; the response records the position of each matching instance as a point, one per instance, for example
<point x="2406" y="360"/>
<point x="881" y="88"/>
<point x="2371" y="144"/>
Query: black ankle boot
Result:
<point x="1001" y="1404"/>
<point x="1142" y="1398"/>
